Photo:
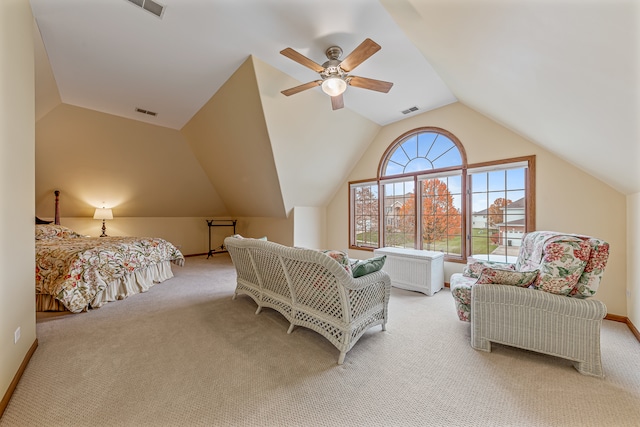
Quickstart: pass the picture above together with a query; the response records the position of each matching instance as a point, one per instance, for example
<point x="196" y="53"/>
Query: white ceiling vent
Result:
<point x="410" y="110"/>
<point x="143" y="111"/>
<point x="150" y="6"/>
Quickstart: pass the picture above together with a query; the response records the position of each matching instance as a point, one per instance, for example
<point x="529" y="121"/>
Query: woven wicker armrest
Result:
<point x="532" y="299"/>
<point x="367" y="280"/>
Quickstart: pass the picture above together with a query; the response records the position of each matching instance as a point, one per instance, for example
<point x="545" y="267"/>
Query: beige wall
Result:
<point x="567" y="199"/>
<point x="309" y="227"/>
<point x="138" y="169"/>
<point x="279" y="230"/>
<point x="633" y="262"/>
<point x="190" y="233"/>
<point x="17" y="252"/>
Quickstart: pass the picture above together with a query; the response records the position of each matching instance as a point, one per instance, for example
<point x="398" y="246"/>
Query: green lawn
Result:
<point x="480" y="241"/>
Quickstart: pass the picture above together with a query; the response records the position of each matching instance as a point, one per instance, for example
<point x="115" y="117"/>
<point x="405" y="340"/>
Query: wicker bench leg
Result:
<point x="341" y="357"/>
<point x="291" y="326"/>
<point x="258" y="310"/>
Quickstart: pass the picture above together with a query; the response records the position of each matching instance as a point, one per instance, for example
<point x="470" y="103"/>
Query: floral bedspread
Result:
<point x="74" y="270"/>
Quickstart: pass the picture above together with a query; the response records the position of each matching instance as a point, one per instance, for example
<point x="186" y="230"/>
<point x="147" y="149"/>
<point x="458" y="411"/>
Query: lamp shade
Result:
<point x="334" y="86"/>
<point x="103" y="213"/>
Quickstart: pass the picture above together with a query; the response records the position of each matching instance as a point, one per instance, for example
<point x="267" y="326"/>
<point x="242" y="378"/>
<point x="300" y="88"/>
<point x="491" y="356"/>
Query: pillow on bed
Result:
<point x="52" y="231"/>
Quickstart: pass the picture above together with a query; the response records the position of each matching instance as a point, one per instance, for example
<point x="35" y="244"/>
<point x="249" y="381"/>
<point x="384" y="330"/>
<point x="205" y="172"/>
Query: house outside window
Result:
<point x="364" y="207"/>
<point x="428" y="198"/>
<point x="499" y="195"/>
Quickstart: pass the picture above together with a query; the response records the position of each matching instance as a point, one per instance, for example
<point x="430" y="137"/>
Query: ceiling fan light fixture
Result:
<point x="334" y="86"/>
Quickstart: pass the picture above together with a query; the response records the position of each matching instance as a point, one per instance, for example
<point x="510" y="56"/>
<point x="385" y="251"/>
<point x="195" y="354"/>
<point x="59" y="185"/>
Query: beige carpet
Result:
<point x="186" y="354"/>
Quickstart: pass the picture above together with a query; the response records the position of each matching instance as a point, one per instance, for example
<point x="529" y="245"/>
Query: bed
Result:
<point x="76" y="273"/>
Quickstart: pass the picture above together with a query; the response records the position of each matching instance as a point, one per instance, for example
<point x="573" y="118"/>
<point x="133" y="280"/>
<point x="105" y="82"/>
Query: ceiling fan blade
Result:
<point x="337" y="102"/>
<point x="301" y="59"/>
<point x="359" y="55"/>
<point x="294" y="90"/>
<point x="371" y="84"/>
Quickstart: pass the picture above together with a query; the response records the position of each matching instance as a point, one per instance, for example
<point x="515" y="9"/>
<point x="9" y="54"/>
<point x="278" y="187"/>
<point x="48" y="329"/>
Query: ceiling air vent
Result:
<point x="150" y="6"/>
<point x="151" y="113"/>
<point x="410" y="110"/>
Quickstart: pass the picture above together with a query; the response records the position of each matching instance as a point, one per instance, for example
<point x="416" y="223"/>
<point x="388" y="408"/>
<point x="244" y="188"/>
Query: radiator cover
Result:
<point x="414" y="270"/>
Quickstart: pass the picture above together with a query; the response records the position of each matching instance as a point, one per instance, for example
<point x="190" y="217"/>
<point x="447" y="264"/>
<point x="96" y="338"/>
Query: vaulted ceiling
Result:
<point x="562" y="74"/>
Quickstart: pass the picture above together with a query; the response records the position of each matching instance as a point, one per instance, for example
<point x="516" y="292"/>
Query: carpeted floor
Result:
<point x="186" y="354"/>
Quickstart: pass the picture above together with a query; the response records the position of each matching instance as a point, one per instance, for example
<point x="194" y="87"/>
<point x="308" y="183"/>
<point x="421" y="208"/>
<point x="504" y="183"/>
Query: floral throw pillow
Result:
<point x="474" y="268"/>
<point x="562" y="265"/>
<point x="341" y="257"/>
<point x="593" y="271"/>
<point x="509" y="277"/>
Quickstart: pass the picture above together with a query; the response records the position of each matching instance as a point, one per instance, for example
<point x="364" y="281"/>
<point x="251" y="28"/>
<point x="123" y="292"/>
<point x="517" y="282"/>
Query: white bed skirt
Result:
<point x="137" y="282"/>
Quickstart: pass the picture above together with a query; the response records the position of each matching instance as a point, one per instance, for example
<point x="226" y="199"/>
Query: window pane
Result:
<point x="479" y="182"/>
<point x="365" y="219"/>
<point x="425" y="141"/>
<point x="399" y="217"/>
<point x="400" y="157"/>
<point x="451" y="157"/>
<point x="515" y="178"/>
<point x="498" y="213"/>
<point x="418" y="164"/>
<point x="441" y="225"/>
<point x="410" y="147"/>
<point x="496" y="180"/>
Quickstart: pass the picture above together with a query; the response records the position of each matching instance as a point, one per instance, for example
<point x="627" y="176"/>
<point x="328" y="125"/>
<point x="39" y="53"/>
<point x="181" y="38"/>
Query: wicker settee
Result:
<point x="310" y="289"/>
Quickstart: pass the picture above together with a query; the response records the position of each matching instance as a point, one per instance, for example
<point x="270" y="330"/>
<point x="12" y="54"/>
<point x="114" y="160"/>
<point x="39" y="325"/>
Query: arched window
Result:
<point x="421" y="179"/>
<point x="422" y="150"/>
<point x="427" y="197"/>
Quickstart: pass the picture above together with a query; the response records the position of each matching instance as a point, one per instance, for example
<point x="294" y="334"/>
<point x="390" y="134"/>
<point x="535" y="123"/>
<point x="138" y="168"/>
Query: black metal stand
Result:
<point x="224" y="223"/>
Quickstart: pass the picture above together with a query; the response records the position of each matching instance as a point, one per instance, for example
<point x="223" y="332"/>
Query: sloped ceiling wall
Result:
<point x="47" y="94"/>
<point x="314" y="147"/>
<point x="229" y="137"/>
<point x="140" y="170"/>
<point x="563" y="74"/>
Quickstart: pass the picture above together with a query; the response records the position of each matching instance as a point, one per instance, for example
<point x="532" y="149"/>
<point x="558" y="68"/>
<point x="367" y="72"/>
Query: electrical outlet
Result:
<point x="16" y="335"/>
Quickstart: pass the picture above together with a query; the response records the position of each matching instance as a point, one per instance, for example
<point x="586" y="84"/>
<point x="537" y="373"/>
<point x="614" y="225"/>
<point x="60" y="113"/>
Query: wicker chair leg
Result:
<point x="258" y="310"/>
<point x="480" y="343"/>
<point x="384" y="326"/>
<point x="341" y="358"/>
<point x="234" y="296"/>
<point x="291" y="326"/>
<point x="590" y="368"/>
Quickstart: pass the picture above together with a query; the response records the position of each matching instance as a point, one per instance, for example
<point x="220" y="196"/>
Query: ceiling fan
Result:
<point x="334" y="73"/>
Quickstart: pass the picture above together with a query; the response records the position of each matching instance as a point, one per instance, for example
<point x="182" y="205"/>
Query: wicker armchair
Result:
<point x="550" y="316"/>
<point x="310" y="289"/>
